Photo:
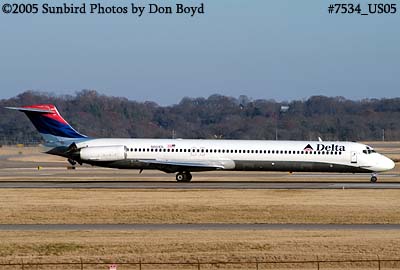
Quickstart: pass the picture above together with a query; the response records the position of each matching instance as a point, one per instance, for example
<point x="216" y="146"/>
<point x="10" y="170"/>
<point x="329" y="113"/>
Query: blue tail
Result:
<point x="51" y="125"/>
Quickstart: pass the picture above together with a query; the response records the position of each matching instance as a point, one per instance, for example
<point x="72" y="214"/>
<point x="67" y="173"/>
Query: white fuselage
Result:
<point x="200" y="155"/>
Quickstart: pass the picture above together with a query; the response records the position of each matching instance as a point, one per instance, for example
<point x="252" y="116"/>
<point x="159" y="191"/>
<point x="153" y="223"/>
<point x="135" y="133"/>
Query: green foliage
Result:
<point x="331" y="118"/>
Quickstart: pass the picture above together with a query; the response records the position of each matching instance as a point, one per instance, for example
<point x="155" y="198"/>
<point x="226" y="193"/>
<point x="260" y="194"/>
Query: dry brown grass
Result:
<point x="192" y="245"/>
<point x="15" y="150"/>
<point x="198" y="206"/>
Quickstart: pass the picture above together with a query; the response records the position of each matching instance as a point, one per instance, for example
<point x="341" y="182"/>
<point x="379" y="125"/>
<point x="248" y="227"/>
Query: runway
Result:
<point x="110" y="184"/>
<point x="199" y="227"/>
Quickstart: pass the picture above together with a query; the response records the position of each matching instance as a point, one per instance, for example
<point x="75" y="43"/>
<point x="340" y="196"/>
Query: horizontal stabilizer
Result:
<point x="22" y="109"/>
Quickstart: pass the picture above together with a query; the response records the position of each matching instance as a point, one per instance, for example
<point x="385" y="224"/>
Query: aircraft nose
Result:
<point x="391" y="164"/>
<point x="387" y="164"/>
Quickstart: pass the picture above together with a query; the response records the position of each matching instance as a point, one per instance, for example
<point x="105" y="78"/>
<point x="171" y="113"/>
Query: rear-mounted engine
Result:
<point x="103" y="153"/>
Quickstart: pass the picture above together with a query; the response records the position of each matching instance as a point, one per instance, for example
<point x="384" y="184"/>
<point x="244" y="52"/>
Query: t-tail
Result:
<point x="51" y="125"/>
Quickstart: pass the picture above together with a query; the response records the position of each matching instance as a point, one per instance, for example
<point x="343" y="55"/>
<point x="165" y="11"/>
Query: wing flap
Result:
<point x="174" y="165"/>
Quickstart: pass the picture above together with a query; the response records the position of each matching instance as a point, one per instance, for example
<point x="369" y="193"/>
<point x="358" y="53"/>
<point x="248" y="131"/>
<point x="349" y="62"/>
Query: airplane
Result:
<point x="184" y="156"/>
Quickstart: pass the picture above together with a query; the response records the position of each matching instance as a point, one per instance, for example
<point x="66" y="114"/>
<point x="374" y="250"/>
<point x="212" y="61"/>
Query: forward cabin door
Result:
<point x="353" y="157"/>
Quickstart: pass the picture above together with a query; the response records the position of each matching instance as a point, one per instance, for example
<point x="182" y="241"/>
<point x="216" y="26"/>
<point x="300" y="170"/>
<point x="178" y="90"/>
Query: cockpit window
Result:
<point x="369" y="151"/>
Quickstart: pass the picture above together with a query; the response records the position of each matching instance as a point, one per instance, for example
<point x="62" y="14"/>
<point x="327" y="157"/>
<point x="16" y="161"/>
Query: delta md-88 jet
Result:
<point x="183" y="156"/>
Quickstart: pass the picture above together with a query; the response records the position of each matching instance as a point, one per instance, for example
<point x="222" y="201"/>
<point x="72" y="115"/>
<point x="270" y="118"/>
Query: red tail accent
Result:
<point x="49" y="107"/>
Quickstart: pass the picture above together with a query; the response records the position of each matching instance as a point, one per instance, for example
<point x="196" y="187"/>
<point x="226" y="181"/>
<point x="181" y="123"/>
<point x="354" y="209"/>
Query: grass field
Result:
<point x="198" y="206"/>
<point x="164" y="246"/>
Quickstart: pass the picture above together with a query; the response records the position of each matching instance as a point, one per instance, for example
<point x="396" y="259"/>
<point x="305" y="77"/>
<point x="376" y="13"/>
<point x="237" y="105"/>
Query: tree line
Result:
<point x="215" y="117"/>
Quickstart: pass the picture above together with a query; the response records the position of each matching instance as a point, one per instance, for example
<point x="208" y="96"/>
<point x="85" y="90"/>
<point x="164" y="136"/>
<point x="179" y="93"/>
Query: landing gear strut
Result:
<point x="374" y="177"/>
<point x="72" y="162"/>
<point x="183" y="176"/>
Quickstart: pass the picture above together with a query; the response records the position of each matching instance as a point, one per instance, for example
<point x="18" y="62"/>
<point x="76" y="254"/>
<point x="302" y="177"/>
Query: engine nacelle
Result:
<point x="103" y="153"/>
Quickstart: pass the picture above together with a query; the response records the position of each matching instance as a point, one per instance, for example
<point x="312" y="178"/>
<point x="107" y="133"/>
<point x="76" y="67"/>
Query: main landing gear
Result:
<point x="183" y="176"/>
<point x="374" y="177"/>
<point x="72" y="162"/>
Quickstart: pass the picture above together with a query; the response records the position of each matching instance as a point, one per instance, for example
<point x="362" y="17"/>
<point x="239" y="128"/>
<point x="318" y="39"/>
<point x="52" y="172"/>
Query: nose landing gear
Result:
<point x="183" y="176"/>
<point x="374" y="177"/>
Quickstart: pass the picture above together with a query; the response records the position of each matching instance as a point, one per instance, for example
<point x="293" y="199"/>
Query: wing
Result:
<point x="172" y="166"/>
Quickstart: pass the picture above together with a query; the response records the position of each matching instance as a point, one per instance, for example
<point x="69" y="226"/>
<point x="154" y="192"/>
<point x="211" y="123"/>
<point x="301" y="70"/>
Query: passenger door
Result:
<point x="353" y="157"/>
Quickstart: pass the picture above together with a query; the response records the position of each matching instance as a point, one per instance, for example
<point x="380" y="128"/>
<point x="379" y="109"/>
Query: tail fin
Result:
<point x="50" y="124"/>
